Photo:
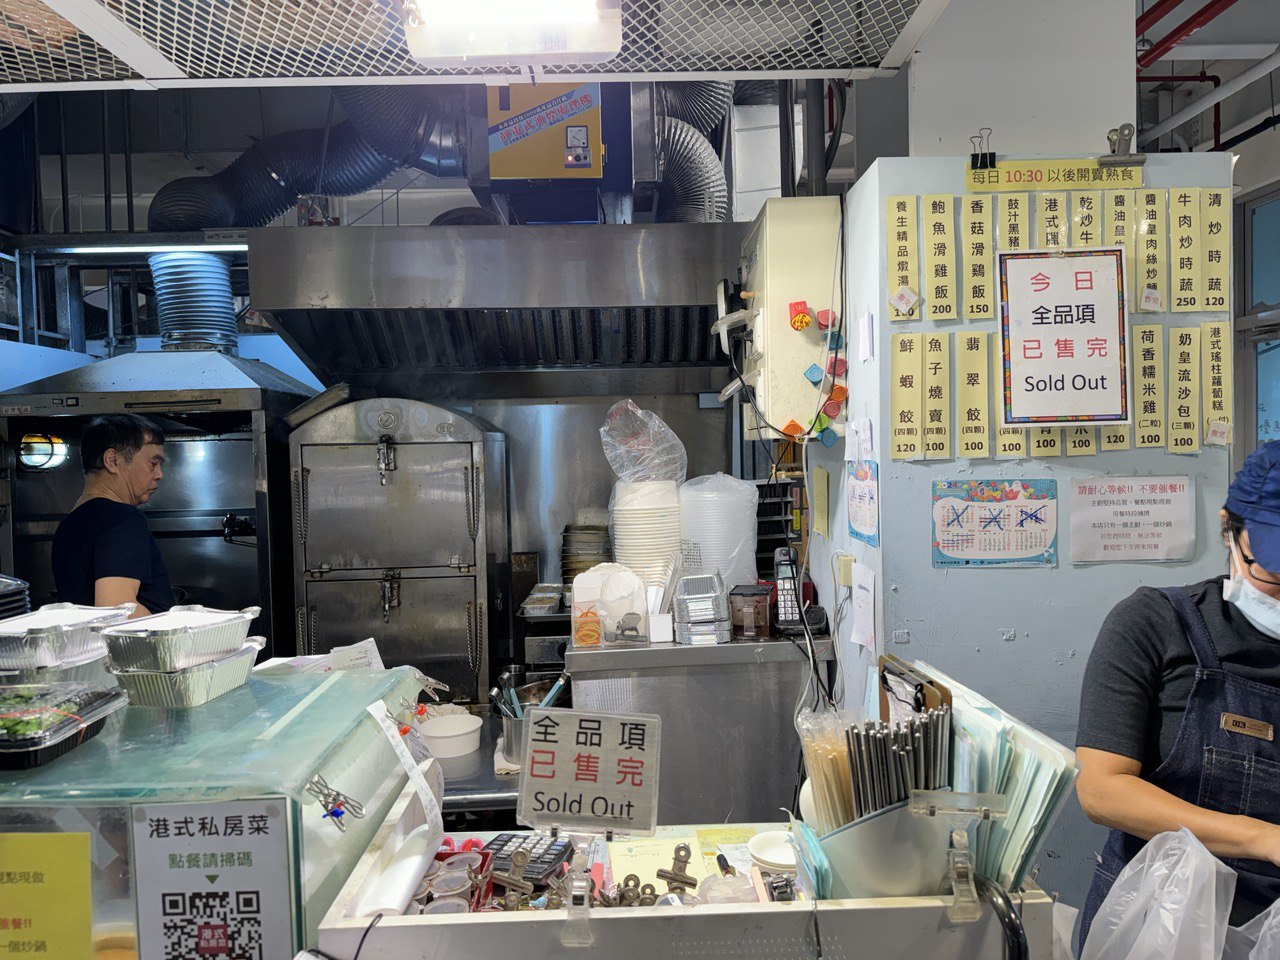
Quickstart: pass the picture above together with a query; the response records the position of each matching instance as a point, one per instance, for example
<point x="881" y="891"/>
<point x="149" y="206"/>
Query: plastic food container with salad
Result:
<point x="41" y="722"/>
<point x="183" y="637"/>
<point x="55" y="634"/>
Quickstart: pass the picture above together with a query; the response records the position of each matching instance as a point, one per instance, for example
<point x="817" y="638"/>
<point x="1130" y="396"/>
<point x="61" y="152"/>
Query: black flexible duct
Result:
<point x="415" y="126"/>
<point x="12" y="105"/>
<point x="693" y="188"/>
<point x="755" y="93"/>
<point x="700" y="103"/>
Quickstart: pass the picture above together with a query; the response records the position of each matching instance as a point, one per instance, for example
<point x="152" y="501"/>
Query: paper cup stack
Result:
<point x="645" y="519"/>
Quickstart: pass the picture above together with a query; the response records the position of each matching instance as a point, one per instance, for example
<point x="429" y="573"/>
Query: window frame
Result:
<point x="1250" y="326"/>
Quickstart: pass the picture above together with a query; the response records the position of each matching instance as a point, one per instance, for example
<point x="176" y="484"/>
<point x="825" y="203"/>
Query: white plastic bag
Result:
<point x="1259" y="939"/>
<point x="1172" y="902"/>
<point x="640" y="446"/>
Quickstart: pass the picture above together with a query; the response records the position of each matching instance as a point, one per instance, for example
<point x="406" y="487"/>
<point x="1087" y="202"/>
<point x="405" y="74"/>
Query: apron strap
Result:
<point x="1194" y="625"/>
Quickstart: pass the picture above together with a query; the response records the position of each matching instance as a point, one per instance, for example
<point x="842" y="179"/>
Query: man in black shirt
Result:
<point x="104" y="553"/>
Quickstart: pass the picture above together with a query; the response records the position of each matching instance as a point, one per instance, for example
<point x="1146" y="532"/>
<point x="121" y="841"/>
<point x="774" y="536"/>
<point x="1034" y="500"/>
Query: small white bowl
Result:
<point x="772" y="852"/>
<point x="454" y="735"/>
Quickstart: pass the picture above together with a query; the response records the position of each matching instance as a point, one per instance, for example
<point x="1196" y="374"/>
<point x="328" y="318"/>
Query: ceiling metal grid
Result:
<point x="315" y="39"/>
<point x="38" y="46"/>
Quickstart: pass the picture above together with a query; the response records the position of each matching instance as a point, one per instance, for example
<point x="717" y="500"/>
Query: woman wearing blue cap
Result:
<point x="1180" y="706"/>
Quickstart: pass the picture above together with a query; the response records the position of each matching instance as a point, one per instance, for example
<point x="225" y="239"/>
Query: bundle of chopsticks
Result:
<point x="855" y="770"/>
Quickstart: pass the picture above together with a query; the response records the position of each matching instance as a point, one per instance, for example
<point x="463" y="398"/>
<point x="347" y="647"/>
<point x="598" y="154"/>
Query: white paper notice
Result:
<point x="213" y="879"/>
<point x="904" y="300"/>
<point x="1218" y="434"/>
<point x="866" y="337"/>
<point x="378" y="711"/>
<point x="1152" y="299"/>
<point x="363" y="655"/>
<point x="864" y="606"/>
<point x="1132" y="518"/>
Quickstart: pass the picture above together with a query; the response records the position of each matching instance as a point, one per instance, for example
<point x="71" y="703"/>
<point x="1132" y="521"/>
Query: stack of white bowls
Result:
<point x="645" y="521"/>
<point x="718" y="526"/>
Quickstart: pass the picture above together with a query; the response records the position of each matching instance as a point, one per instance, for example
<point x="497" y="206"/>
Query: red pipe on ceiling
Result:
<point x="1206" y="14"/>
<point x="1200" y="77"/>
<point x="1155" y="14"/>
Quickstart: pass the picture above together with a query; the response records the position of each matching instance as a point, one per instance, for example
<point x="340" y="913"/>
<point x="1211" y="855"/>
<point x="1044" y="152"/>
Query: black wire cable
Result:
<point x="364" y="936"/>
<point x="1015" y="935"/>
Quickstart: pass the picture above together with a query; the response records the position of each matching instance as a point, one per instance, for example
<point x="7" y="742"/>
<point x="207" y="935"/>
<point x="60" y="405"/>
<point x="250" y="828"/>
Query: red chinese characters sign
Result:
<point x="1064" y="338"/>
<point x="591" y="771"/>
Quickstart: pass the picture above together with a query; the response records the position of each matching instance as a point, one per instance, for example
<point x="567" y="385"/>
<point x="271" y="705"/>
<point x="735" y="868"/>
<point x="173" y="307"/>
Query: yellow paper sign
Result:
<point x="1186" y="242"/>
<point x="1119" y="226"/>
<point x="1011" y="443"/>
<point x="1148" y="386"/>
<point x="937" y="396"/>
<point x="900" y="252"/>
<point x="1184" y="390"/>
<point x="1046" y="441"/>
<point x="1087" y="225"/>
<point x="1050" y="175"/>
<point x="905" y="394"/>
<point x="1115" y="438"/>
<point x="1052" y="215"/>
<point x="1013" y="219"/>
<point x="973" y="395"/>
<point x="1081" y="441"/>
<point x="44" y="895"/>
<point x="1216" y="373"/>
<point x="977" y="246"/>
<point x="939" y="238"/>
<point x="1151" y="250"/>
<point x="1215" y="215"/>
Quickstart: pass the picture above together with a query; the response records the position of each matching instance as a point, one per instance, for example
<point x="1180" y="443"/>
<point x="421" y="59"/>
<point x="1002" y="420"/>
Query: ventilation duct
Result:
<point x="693" y="188"/>
<point x="755" y="93"/>
<point x="193" y="297"/>
<point x="700" y="103"/>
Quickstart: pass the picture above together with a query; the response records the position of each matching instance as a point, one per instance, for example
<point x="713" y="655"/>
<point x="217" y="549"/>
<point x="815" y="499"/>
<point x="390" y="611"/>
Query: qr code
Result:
<point x="225" y="925"/>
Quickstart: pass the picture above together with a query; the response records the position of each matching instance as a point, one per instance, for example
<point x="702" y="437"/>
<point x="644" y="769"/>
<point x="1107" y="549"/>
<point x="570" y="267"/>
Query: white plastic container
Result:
<point x="454" y="735"/>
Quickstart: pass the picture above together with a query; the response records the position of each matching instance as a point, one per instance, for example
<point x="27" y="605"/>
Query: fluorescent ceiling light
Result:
<point x="171" y="248"/>
<point x="514" y="32"/>
<point x="1220" y="51"/>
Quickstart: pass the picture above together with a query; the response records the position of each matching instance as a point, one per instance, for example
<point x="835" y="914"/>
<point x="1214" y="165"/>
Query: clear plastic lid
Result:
<point x="447" y="905"/>
<point x="38" y="715"/>
<point x="450" y="884"/>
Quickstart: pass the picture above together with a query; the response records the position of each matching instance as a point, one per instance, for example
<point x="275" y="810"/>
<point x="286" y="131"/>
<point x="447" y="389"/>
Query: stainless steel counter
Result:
<point x="470" y="783"/>
<point x="729" y="746"/>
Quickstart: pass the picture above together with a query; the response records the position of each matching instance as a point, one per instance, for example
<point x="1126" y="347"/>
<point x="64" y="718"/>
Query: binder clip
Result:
<point x="982" y="158"/>
<point x="1120" y="142"/>
<point x="678" y="877"/>
<point x="336" y="804"/>
<point x="963" y="812"/>
<point x="431" y="685"/>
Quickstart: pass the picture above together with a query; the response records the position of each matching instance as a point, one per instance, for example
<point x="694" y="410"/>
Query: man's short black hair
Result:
<point x="126" y="433"/>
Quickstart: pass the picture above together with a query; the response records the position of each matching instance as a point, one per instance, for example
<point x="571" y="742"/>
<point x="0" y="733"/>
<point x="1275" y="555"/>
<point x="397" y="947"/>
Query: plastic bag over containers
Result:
<point x="718" y="528"/>
<point x="1172" y="902"/>
<point x="639" y="446"/>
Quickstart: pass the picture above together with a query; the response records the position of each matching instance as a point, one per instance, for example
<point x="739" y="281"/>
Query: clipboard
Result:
<point x="909" y="687"/>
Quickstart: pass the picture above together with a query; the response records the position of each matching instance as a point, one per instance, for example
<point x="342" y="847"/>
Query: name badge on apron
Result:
<point x="1234" y="723"/>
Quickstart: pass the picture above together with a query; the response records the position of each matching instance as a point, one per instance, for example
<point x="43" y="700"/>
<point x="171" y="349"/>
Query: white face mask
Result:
<point x="1260" y="609"/>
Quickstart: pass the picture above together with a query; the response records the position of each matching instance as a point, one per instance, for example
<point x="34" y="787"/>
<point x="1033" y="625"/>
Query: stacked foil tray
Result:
<point x="701" y="610"/>
<point x="56" y="634"/>
<point x="192" y="686"/>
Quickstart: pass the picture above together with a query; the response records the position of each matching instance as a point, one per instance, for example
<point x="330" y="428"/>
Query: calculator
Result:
<point x="546" y="855"/>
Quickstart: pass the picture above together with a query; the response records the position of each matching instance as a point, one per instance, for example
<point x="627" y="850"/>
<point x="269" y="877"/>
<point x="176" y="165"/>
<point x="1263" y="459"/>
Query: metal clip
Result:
<point x="648" y="895"/>
<point x="1120" y="142"/>
<point x="678" y="877"/>
<point x="431" y="685"/>
<point x="386" y="457"/>
<point x="337" y="805"/>
<point x="513" y="880"/>
<point x="982" y="158"/>
<point x="630" y="893"/>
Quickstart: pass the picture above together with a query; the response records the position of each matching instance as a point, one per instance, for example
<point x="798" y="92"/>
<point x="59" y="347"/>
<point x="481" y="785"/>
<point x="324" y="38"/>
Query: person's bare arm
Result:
<point x="113" y="591"/>
<point x="1113" y="793"/>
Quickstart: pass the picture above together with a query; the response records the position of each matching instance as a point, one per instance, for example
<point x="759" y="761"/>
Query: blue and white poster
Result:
<point x="987" y="523"/>
<point x="864" y="501"/>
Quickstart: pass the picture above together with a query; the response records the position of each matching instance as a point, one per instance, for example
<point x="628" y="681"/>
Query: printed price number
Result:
<point x="941" y="310"/>
<point x="973" y="446"/>
<point x="1114" y="438"/>
<point x="1183" y="441"/>
<point x="935" y="446"/>
<point x="1187" y="301"/>
<point x="1048" y="443"/>
<point x="906" y="448"/>
<point x="1215" y="302"/>
<point x="1152" y="439"/>
<point x="1080" y="444"/>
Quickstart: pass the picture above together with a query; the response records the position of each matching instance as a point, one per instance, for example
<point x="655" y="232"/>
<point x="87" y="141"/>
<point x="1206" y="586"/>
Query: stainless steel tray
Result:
<point x="185" y="636"/>
<point x="55" y="634"/>
<point x="193" y="686"/>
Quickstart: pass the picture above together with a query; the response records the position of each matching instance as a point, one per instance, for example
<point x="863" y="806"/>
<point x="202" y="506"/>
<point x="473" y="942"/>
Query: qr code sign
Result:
<point x="216" y="924"/>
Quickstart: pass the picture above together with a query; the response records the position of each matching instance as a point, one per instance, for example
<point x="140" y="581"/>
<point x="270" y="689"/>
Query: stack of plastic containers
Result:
<point x="645" y="521"/>
<point x="55" y="691"/>
<point x="185" y="657"/>
<point x="718" y="528"/>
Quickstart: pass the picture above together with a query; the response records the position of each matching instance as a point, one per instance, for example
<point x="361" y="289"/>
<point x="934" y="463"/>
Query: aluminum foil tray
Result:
<point x="57" y="633"/>
<point x="183" y="637"/>
<point x="704" y="633"/>
<point x="194" y="685"/>
<point x="701" y="599"/>
<point x="93" y="670"/>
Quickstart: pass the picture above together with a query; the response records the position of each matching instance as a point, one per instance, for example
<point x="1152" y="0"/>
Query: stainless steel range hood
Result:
<point x="499" y="311"/>
<point x="169" y="381"/>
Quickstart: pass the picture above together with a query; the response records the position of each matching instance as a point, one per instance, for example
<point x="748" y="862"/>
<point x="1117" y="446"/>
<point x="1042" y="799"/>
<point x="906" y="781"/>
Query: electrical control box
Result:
<point x="795" y="360"/>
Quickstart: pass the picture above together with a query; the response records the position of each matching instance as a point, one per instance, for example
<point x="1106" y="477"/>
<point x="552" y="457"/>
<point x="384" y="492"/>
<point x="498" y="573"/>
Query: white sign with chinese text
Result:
<point x="1064" y="338"/>
<point x="1132" y="518"/>
<point x="212" y="879"/>
<point x="590" y="771"/>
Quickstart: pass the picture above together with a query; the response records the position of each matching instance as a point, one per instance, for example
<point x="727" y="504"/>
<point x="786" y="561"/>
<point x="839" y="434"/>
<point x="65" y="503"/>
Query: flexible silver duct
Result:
<point x="700" y="103"/>
<point x="193" y="297"/>
<point x="693" y="188"/>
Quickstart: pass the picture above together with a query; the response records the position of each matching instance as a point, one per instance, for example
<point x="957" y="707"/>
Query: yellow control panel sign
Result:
<point x="545" y="132"/>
